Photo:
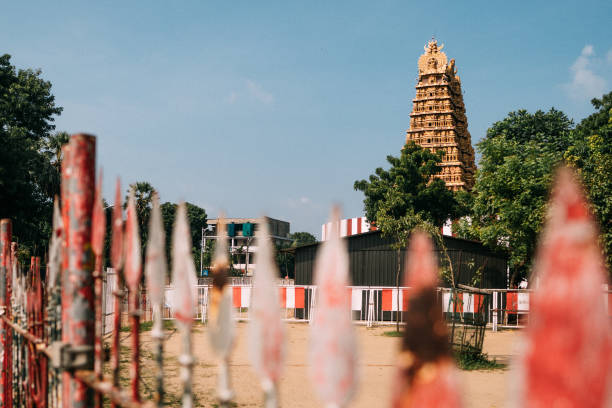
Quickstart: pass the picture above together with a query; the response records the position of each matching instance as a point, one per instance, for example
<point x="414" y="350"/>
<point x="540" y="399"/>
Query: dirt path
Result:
<point x="377" y="354"/>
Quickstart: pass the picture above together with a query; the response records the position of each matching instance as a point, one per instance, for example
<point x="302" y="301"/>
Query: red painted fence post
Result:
<point x="6" y="391"/>
<point x="77" y="280"/>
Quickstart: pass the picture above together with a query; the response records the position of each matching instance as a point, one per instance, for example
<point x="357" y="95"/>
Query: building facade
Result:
<point x="348" y="227"/>
<point x="438" y="120"/>
<point x="241" y="239"/>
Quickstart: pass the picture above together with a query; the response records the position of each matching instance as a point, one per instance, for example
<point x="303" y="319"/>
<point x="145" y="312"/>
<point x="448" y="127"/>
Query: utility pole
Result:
<point x="246" y="268"/>
<point x="202" y="245"/>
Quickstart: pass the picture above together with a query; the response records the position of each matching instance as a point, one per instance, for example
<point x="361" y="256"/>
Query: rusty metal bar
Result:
<point x="53" y="317"/>
<point x="68" y="173"/>
<point x="184" y="302"/>
<point x="133" y="274"/>
<point x="117" y="397"/>
<point x="41" y="347"/>
<point x="117" y="257"/>
<point x="77" y="286"/>
<point x="221" y="325"/>
<point x="37" y="365"/>
<point x="9" y="339"/>
<point x="14" y="316"/>
<point x="40" y="331"/>
<point x="155" y="271"/>
<point x="30" y="353"/>
<point x="6" y="393"/>
<point x="333" y="347"/>
<point x="97" y="244"/>
<point x="266" y="329"/>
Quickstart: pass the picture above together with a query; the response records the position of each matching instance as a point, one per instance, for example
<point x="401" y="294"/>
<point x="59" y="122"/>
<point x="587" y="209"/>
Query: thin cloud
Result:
<point x="259" y="93"/>
<point x="231" y="98"/>
<point x="586" y="83"/>
<point x="300" y="202"/>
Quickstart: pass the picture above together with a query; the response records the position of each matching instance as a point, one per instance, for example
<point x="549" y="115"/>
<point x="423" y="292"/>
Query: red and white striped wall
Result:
<point x="291" y="297"/>
<point x="241" y="296"/>
<point x="359" y="225"/>
<point x="517" y="301"/>
<point x="348" y="226"/>
<point x="461" y="302"/>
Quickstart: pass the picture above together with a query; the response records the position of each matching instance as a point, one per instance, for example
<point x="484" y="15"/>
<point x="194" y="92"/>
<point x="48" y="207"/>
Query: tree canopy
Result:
<point x="510" y="196"/>
<point x="196" y="216"/>
<point x="408" y="196"/>
<point x="302" y="238"/>
<point x="591" y="153"/>
<point x="518" y="159"/>
<point x="408" y="189"/>
<point x="551" y="130"/>
<point x="29" y="176"/>
<point x="143" y="197"/>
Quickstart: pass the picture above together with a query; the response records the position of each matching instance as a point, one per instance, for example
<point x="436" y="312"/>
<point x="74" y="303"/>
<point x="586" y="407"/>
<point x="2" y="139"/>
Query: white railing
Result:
<point x="370" y="305"/>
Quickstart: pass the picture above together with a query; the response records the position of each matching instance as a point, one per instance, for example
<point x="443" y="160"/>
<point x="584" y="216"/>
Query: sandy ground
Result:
<point x="377" y="354"/>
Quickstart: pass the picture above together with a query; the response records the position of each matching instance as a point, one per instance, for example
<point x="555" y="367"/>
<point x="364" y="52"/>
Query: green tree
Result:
<point x="408" y="196"/>
<point x="591" y="154"/>
<point x="196" y="216"/>
<point x="285" y="260"/>
<point x="408" y="188"/>
<point x="302" y="238"/>
<point x="550" y="130"/>
<point x="143" y="197"/>
<point x="518" y="157"/>
<point x="28" y="181"/>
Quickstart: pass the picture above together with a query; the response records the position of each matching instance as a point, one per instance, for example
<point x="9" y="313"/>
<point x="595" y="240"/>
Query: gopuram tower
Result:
<point x="438" y="120"/>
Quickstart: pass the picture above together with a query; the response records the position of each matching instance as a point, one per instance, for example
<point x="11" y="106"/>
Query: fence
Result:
<point x="52" y="329"/>
<point x="500" y="308"/>
<point x="369" y="305"/>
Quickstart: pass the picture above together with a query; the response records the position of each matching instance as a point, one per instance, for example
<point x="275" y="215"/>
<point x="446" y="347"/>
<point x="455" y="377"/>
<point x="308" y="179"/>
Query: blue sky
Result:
<point x="278" y="107"/>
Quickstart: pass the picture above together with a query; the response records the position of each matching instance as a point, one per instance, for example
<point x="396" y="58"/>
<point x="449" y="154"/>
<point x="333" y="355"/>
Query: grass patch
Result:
<point x="147" y="326"/>
<point x="393" y="333"/>
<point x="476" y="361"/>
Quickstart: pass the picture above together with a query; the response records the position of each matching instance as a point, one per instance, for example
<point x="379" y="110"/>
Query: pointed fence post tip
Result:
<point x="155" y="272"/>
<point x="568" y="344"/>
<point x="133" y="260"/>
<point x="266" y="329"/>
<point x="185" y="296"/>
<point x="221" y="321"/>
<point x="425" y="370"/>
<point x="133" y="275"/>
<point x="333" y="348"/>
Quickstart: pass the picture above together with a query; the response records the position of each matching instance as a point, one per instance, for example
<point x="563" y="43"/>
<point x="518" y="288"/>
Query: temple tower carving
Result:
<point x="438" y="120"/>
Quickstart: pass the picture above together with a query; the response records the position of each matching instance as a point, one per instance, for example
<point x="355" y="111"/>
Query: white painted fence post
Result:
<point x="495" y="311"/>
